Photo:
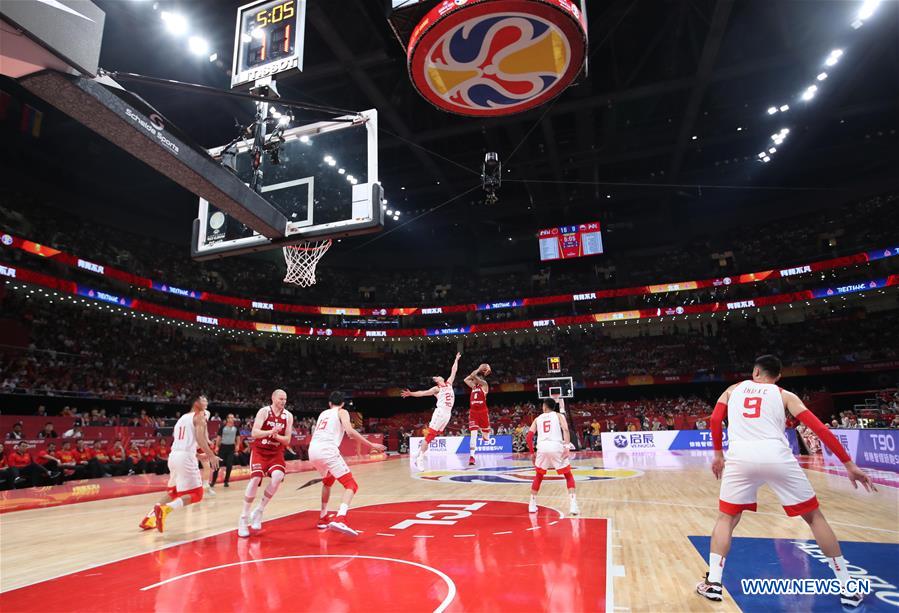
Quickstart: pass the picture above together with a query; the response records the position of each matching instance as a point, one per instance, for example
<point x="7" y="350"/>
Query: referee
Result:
<point x="226" y="442"/>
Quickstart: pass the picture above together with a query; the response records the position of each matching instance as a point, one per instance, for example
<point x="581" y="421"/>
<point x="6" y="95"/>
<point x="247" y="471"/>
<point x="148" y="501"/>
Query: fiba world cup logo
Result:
<point x="488" y="60"/>
<point x="497" y="62"/>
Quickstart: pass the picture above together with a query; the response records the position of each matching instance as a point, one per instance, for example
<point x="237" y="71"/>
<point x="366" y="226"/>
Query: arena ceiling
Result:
<point x="675" y="104"/>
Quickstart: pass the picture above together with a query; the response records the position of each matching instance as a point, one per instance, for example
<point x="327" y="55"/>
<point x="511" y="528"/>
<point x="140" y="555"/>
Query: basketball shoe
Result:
<point x="851" y="600"/>
<point x="256" y="519"/>
<point x="324" y="520"/>
<point x="149" y="521"/>
<point x="339" y="524"/>
<point x="243" y="530"/>
<point x="161" y="511"/>
<point x="710" y="590"/>
<point x="471" y="461"/>
<point x="573" y="510"/>
<point x="532" y="505"/>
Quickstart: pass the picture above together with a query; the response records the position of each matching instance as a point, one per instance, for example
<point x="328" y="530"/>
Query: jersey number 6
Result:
<point x="754" y="404"/>
<point x="546" y="426"/>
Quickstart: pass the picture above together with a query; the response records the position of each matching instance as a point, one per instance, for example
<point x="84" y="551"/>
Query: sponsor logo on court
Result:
<point x="524" y="474"/>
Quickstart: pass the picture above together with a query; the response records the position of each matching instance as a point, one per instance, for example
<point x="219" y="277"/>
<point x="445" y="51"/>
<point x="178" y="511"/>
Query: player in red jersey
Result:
<point x="271" y="434"/>
<point x="759" y="454"/>
<point x="478" y="416"/>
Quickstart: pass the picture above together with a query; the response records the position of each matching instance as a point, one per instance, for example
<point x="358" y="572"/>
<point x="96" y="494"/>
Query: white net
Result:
<point x="301" y="261"/>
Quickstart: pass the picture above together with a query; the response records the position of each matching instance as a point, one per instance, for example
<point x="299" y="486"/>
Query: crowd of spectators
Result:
<point x="76" y="351"/>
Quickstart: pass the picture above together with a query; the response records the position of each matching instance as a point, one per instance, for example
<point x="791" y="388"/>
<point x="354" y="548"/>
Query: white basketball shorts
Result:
<point x="742" y="479"/>
<point x="439" y="420"/>
<point x="184" y="473"/>
<point x="327" y="459"/>
<point x="551" y="456"/>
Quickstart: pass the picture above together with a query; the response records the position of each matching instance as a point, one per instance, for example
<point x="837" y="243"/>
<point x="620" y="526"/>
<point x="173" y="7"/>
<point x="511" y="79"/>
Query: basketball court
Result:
<point x="444" y="539"/>
<point x="453" y="537"/>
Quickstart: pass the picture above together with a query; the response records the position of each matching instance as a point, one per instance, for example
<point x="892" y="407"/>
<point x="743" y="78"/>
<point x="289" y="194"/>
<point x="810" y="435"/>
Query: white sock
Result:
<point x="177" y="503"/>
<point x="472" y="442"/>
<point x="573" y="497"/>
<point x="344" y="508"/>
<point x="247" y="503"/>
<point x="265" y="500"/>
<point x="716" y="568"/>
<point x="838" y="566"/>
<point x="533" y="497"/>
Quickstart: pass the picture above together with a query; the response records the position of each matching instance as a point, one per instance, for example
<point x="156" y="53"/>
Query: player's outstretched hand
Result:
<point x="378" y="447"/>
<point x="405" y="393"/>
<point x="718" y="465"/>
<point x="214" y="462"/>
<point x="458" y="355"/>
<point x="857" y="475"/>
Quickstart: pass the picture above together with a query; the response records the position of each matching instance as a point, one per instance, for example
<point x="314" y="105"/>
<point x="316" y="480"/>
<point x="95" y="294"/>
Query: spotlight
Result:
<point x="772" y="150"/>
<point x="174" y="22"/>
<point x="809" y="92"/>
<point x="834" y="57"/>
<point x="284" y="120"/>
<point x="305" y="139"/>
<point x="389" y="212"/>
<point x="784" y="108"/>
<point x="821" y="76"/>
<point x="213" y="57"/>
<point x="328" y="159"/>
<point x="332" y="162"/>
<point x="341" y="171"/>
<point x="867" y="9"/>
<point x="197" y="45"/>
<point x="772" y="110"/>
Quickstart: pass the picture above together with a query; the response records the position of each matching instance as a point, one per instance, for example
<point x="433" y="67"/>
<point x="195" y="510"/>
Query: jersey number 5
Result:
<point x="754" y="404"/>
<point x="546" y="426"/>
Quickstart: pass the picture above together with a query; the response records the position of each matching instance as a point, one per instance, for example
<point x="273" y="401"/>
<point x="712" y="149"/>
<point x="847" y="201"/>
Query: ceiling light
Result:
<point x="327" y="159"/>
<point x="809" y="92"/>
<point x="772" y="150"/>
<point x="867" y="9"/>
<point x="821" y="76"/>
<point x="762" y="154"/>
<point x="383" y="207"/>
<point x="284" y="120"/>
<point x="197" y="45"/>
<point x="213" y="57"/>
<point x="353" y="180"/>
<point x="694" y="137"/>
<point x="772" y="110"/>
<point x="397" y="213"/>
<point x="174" y="22"/>
<point x="403" y="187"/>
<point x="332" y="162"/>
<point x="739" y="129"/>
<point x="784" y="108"/>
<point x="834" y="57"/>
<point x="341" y="171"/>
<point x="389" y="212"/>
<point x="766" y="159"/>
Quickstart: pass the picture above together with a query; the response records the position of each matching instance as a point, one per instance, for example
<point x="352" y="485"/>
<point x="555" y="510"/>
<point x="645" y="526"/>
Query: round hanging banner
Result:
<point x="488" y="58"/>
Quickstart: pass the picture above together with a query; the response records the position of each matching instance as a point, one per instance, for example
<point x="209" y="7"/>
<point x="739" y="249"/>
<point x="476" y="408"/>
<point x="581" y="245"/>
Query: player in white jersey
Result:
<point x="759" y="454"/>
<point x="185" y="481"/>
<point x="446" y="397"/>
<point x="553" y="451"/>
<point x="324" y="453"/>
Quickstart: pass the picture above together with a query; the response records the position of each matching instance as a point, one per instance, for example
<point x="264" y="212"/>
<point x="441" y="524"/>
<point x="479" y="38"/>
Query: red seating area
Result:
<point x="32" y="424"/>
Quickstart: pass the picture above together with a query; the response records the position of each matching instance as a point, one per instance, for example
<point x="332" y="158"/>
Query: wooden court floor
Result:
<point x="653" y="505"/>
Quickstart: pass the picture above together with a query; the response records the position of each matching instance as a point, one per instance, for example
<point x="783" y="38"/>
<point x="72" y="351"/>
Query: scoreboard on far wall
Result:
<point x="570" y="241"/>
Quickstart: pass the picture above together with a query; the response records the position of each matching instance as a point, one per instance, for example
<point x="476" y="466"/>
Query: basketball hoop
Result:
<point x="301" y="260"/>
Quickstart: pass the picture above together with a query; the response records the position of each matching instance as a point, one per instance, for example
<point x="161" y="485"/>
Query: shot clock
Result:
<point x="268" y="40"/>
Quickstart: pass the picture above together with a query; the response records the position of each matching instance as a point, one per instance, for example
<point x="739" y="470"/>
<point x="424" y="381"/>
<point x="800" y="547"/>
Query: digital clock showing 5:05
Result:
<point x="269" y="39"/>
<point x="275" y="12"/>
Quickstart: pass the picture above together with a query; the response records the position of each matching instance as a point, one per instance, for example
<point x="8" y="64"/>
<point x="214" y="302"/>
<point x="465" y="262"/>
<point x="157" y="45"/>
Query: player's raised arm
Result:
<point x="202" y="434"/>
<point x="258" y="432"/>
<point x="430" y="392"/>
<point x="798" y="409"/>
<point x="351" y="431"/>
<point x="473" y="379"/>
<point x="452" y="378"/>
